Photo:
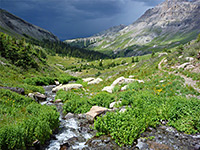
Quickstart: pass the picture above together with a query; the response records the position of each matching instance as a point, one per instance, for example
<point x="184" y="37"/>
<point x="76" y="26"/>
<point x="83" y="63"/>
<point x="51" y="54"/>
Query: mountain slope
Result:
<point x="166" y="25"/>
<point x="14" y="25"/>
<point x="85" y="42"/>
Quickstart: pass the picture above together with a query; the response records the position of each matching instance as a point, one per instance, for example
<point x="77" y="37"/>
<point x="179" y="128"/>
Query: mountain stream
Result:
<point x="75" y="133"/>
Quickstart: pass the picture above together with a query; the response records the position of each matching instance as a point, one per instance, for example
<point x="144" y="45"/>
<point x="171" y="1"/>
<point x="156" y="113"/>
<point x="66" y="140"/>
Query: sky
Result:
<point x="68" y="19"/>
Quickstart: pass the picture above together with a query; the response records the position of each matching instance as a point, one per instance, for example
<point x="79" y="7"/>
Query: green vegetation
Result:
<point x="77" y="101"/>
<point x="49" y="80"/>
<point x="19" y="52"/>
<point x="162" y="96"/>
<point x="147" y="110"/>
<point x="23" y="121"/>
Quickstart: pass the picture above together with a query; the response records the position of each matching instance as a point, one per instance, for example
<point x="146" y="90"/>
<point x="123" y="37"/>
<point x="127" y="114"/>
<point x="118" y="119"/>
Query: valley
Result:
<point x="128" y="87"/>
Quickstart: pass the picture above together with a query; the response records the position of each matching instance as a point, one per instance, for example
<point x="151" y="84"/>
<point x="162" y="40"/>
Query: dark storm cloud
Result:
<point x="78" y="18"/>
<point x="150" y="2"/>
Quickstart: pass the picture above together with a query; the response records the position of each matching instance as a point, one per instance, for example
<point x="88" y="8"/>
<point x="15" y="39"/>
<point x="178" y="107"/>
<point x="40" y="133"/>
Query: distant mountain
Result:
<point x="166" y="25"/>
<point x="14" y="25"/>
<point x="85" y="42"/>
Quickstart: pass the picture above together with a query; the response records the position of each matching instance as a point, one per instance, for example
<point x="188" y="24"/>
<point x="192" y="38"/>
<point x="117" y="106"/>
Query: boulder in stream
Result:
<point x="38" y="96"/>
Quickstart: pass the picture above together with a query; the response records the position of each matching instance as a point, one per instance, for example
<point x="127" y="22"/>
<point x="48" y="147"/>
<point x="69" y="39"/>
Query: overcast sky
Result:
<point x="69" y="19"/>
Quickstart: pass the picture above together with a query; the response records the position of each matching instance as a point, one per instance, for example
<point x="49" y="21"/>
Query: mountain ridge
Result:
<point x="14" y="25"/>
<point x="167" y="24"/>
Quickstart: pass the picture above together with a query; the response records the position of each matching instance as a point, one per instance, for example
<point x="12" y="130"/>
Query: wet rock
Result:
<point x="103" y="142"/>
<point x="57" y="83"/>
<point x="37" y="96"/>
<point x="14" y="89"/>
<point x="141" y="145"/>
<point x="69" y="116"/>
<point x="197" y="147"/>
<point x="95" y="81"/>
<point x="72" y="140"/>
<point x="81" y="116"/>
<point x="58" y="101"/>
<point x="65" y="146"/>
<point x="36" y="145"/>
<point x="111" y="106"/>
<point x="94" y="112"/>
<point x="159" y="146"/>
<point x="67" y="87"/>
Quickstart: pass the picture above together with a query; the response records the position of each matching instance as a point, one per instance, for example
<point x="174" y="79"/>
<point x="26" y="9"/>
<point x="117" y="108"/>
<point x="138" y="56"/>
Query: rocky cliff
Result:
<point x="14" y="25"/>
<point x="166" y="25"/>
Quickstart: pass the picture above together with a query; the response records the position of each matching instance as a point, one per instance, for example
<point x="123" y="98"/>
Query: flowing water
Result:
<point x="73" y="130"/>
<point x="75" y="133"/>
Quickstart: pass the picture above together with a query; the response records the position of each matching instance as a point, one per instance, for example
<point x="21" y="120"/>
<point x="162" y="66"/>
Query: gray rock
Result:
<point x="183" y="65"/>
<point x="94" y="112"/>
<point x="95" y="81"/>
<point x="124" y="88"/>
<point x="111" y="106"/>
<point x="88" y="79"/>
<point x="57" y="83"/>
<point x="141" y="145"/>
<point x="108" y="89"/>
<point x="39" y="97"/>
<point x="14" y="89"/>
<point x="67" y="87"/>
<point x="58" y="101"/>
<point x="189" y="58"/>
<point x="69" y="116"/>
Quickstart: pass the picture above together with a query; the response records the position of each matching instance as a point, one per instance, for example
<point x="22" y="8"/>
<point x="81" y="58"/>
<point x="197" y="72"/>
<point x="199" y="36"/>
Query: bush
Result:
<point x="147" y="110"/>
<point x="23" y="121"/>
<point x="102" y="99"/>
<point x="49" y="80"/>
<point x="31" y="88"/>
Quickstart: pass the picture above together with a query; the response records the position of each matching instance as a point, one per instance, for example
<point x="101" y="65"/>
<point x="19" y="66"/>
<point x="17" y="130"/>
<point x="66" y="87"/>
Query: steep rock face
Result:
<point x="12" y="24"/>
<point x="169" y="23"/>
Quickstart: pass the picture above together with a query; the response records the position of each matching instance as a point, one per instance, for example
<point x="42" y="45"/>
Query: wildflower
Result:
<point x="160" y="90"/>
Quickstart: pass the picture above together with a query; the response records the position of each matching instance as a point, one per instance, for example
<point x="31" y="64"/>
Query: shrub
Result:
<point x="24" y="121"/>
<point x="49" y="80"/>
<point x="147" y="110"/>
<point x="102" y="99"/>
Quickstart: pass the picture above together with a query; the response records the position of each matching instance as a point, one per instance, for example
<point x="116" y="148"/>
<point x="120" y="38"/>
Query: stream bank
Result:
<point x="75" y="133"/>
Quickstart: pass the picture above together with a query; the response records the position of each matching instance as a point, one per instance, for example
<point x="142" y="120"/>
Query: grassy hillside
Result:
<point x="163" y="96"/>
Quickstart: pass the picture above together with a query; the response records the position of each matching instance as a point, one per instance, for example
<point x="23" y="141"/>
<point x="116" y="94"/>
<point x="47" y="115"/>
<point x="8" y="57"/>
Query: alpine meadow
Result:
<point x="129" y="87"/>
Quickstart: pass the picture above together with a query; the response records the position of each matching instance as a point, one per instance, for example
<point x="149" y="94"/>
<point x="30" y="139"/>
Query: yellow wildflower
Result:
<point x="160" y="90"/>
